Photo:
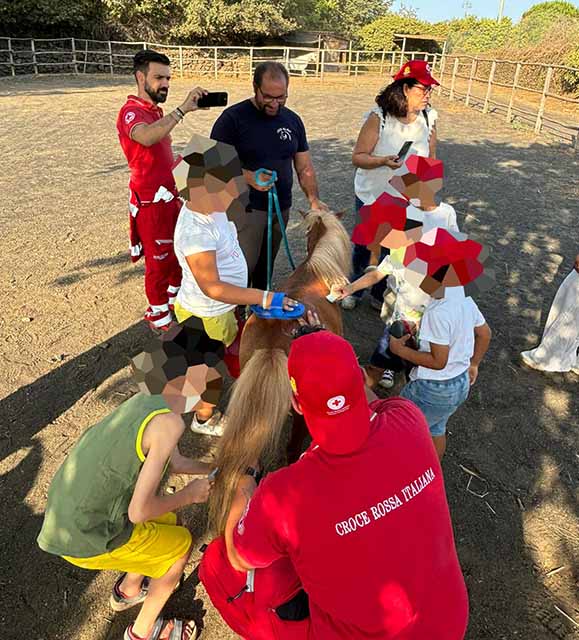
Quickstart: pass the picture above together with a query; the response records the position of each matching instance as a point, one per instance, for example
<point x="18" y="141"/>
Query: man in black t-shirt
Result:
<point x="267" y="135"/>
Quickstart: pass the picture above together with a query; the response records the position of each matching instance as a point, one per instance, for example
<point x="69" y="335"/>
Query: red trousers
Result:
<point x="152" y="231"/>
<point x="252" y="615"/>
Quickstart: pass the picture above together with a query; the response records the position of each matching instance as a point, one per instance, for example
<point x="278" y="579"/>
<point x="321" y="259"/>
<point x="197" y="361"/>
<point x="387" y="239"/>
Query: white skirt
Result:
<point x="558" y="348"/>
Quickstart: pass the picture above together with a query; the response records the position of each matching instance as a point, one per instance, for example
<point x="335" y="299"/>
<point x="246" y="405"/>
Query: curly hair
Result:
<point x="392" y="100"/>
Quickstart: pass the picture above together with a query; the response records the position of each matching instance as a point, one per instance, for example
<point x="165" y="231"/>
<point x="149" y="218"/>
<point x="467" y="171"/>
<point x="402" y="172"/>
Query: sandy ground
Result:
<point x="72" y="306"/>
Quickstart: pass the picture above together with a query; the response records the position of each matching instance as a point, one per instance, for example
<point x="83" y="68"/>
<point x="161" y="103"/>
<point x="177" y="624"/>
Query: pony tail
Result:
<point x="257" y="410"/>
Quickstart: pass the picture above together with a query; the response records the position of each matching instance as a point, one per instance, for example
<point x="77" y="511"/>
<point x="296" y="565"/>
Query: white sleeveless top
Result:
<point x="369" y="184"/>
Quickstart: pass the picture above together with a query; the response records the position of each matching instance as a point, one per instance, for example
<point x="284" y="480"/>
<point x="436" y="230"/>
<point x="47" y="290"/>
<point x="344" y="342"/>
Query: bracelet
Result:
<point x="264" y="299"/>
<point x="180" y="112"/>
<point x="178" y="117"/>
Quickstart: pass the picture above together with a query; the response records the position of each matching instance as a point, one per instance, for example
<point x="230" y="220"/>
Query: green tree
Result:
<point x="379" y="34"/>
<point x="540" y="19"/>
<point x="242" y="22"/>
<point x="51" y="17"/>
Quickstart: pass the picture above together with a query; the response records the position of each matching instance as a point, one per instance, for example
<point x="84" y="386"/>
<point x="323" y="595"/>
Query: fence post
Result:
<point x="85" y="55"/>
<point x="442" y="65"/>
<point x="144" y="45"/>
<point x="472" y="75"/>
<point x="33" y="49"/>
<point x="215" y="62"/>
<point x="11" y="57"/>
<point x="322" y="64"/>
<point x="434" y="61"/>
<point x="357" y="63"/>
<point x="382" y="62"/>
<point x="180" y="61"/>
<point x="453" y="79"/>
<point x="111" y="61"/>
<point x="349" y="58"/>
<point x="74" y="62"/>
<point x="509" y="117"/>
<point x="539" y="122"/>
<point x="490" y="87"/>
<point x="287" y="58"/>
<point x="251" y="63"/>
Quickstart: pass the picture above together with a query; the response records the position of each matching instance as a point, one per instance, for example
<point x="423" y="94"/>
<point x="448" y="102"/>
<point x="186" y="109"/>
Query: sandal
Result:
<point x="177" y="632"/>
<point x="118" y="602"/>
<point x="276" y="311"/>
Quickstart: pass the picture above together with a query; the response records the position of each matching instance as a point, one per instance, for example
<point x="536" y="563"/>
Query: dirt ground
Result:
<point x="71" y="317"/>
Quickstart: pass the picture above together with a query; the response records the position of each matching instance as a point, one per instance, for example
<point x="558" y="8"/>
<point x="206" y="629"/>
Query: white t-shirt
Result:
<point x="196" y="233"/>
<point x="411" y="300"/>
<point x="369" y="184"/>
<point x="443" y="216"/>
<point x="451" y="322"/>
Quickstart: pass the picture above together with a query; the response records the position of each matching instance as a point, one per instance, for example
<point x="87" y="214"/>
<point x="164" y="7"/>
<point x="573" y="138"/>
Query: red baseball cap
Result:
<point x="418" y="70"/>
<point x="424" y="169"/>
<point x="327" y="381"/>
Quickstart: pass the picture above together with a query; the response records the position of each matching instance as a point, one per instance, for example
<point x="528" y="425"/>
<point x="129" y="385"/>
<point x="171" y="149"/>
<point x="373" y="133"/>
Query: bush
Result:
<point x="570" y="79"/>
<point x="379" y="34"/>
<point x="477" y="35"/>
<point x="51" y="18"/>
<point x="540" y="19"/>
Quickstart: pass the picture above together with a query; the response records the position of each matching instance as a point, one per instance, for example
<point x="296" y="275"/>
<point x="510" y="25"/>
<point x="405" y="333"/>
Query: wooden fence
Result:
<point x="532" y="94"/>
<point x="523" y="92"/>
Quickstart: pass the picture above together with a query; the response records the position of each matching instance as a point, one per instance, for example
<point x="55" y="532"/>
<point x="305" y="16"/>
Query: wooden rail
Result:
<point x="20" y="56"/>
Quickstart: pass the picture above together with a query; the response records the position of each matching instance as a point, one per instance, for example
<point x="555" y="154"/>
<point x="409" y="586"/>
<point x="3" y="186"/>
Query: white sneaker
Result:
<point x="349" y="303"/>
<point x="387" y="379"/>
<point x="212" y="427"/>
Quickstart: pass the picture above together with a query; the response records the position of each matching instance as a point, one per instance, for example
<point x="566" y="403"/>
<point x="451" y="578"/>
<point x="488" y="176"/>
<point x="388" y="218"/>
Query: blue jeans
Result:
<point x="361" y="259"/>
<point x="438" y="399"/>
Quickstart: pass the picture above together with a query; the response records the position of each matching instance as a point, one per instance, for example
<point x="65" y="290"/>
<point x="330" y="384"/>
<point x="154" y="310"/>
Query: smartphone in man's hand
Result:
<point x="213" y="99"/>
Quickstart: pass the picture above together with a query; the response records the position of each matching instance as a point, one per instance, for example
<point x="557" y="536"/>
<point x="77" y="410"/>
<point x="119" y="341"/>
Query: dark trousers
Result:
<point x="361" y="259"/>
<point x="252" y="235"/>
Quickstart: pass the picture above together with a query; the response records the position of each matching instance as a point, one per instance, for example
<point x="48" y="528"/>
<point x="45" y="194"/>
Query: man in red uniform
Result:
<point x="360" y="522"/>
<point x="154" y="206"/>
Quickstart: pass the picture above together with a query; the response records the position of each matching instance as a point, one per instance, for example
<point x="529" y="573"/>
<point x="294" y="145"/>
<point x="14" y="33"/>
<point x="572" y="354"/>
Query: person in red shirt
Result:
<point x="154" y="206"/>
<point x="357" y="531"/>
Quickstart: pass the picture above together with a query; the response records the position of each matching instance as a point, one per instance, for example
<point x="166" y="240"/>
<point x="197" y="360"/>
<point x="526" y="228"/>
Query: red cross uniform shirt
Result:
<point x="368" y="533"/>
<point x="151" y="167"/>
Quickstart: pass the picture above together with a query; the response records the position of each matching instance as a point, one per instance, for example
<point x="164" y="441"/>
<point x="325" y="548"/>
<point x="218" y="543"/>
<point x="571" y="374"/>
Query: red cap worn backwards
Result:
<point x="418" y="70"/>
<point x="329" y="385"/>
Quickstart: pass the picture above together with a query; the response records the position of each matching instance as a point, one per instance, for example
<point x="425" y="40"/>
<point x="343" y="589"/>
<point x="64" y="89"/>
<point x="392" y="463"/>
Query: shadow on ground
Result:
<point x="517" y="432"/>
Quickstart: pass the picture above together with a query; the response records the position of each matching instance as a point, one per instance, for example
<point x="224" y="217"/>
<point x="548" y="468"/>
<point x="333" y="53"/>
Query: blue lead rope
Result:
<point x="273" y="202"/>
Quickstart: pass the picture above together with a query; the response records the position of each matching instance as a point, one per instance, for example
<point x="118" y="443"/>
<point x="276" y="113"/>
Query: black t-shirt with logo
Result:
<point x="264" y="142"/>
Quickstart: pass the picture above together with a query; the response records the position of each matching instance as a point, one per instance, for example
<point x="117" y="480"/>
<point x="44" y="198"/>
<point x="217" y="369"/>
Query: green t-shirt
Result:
<point x="89" y="497"/>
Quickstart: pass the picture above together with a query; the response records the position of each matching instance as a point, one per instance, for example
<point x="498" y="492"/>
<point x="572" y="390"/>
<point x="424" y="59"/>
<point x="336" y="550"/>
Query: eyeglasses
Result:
<point x="269" y="99"/>
<point x="425" y="90"/>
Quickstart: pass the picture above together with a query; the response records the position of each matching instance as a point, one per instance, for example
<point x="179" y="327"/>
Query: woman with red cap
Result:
<point x="402" y="114"/>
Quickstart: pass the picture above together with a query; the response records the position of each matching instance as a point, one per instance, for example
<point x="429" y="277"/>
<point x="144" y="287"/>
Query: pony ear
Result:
<point x="340" y="214"/>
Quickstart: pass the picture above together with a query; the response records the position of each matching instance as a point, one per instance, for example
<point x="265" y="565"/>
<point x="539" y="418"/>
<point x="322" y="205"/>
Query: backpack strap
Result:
<point x="425" y="114"/>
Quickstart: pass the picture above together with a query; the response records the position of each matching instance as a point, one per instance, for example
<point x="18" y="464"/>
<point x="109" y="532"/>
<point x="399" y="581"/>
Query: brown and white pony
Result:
<point x="261" y="396"/>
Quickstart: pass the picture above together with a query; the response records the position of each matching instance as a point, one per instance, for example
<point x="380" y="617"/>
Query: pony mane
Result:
<point x="330" y="260"/>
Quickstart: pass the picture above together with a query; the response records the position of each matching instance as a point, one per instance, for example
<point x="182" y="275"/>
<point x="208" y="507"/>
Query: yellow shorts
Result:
<point x="223" y="328"/>
<point x="152" y="549"/>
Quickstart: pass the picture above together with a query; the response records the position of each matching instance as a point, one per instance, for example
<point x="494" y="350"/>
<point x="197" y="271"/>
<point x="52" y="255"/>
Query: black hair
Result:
<point x="392" y="100"/>
<point x="274" y="69"/>
<point x="143" y="59"/>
